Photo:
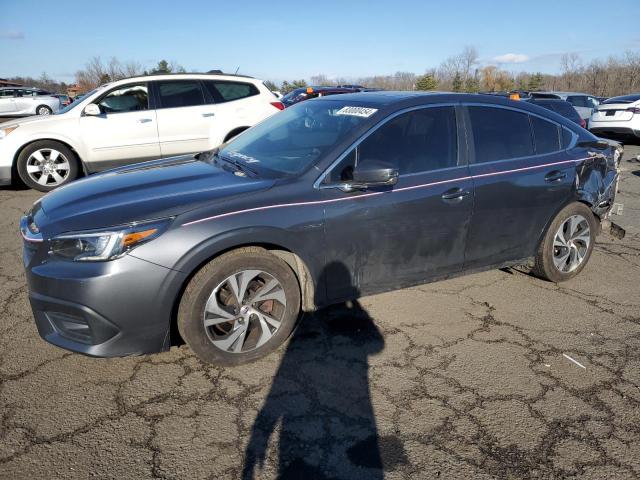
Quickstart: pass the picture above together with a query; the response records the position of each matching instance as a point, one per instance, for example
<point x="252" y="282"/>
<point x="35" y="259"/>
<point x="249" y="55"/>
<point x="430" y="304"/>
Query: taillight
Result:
<point x="278" y="105"/>
<point x="633" y="110"/>
<point x="583" y="124"/>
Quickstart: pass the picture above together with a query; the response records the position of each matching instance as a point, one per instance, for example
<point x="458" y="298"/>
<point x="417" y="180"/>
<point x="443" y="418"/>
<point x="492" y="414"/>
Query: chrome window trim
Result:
<point x="318" y="183"/>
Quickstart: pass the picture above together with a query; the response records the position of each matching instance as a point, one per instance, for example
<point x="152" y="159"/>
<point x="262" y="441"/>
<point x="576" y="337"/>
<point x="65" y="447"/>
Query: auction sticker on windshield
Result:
<point x="357" y="111"/>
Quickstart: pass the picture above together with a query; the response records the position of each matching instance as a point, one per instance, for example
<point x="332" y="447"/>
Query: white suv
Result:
<point x="617" y="116"/>
<point x="130" y="121"/>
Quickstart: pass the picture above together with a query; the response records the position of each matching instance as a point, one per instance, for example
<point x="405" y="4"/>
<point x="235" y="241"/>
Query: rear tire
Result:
<point x="46" y="165"/>
<point x="44" y="110"/>
<point x="567" y="245"/>
<point x="222" y="314"/>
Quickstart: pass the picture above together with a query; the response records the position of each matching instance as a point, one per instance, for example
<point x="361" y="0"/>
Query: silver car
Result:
<point x="21" y="101"/>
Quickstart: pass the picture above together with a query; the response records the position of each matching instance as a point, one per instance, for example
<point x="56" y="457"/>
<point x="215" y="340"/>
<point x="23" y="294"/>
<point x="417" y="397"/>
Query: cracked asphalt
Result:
<point x="465" y="378"/>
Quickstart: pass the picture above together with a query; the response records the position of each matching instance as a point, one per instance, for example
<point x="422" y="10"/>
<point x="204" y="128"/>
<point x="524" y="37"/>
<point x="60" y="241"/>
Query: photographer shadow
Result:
<point x="318" y="418"/>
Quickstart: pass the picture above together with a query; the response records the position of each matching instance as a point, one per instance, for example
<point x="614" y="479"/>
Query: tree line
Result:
<point x="615" y="75"/>
<point x="464" y="72"/>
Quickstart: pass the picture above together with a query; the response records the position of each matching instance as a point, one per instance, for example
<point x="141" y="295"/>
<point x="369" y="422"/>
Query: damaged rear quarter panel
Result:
<point x="596" y="181"/>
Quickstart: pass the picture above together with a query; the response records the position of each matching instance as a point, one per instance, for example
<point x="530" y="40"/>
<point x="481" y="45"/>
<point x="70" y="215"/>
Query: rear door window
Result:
<point x="6" y="93"/>
<point x="227" y="91"/>
<point x="546" y="136"/>
<point x="180" y="93"/>
<point x="500" y="134"/>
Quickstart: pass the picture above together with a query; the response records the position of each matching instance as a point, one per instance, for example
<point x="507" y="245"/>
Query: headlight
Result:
<point x="7" y="130"/>
<point x="106" y="245"/>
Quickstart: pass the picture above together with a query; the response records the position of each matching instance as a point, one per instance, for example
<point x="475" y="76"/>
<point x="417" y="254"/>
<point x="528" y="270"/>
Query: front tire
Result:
<point x="567" y="244"/>
<point x="46" y="165"/>
<point x="239" y="307"/>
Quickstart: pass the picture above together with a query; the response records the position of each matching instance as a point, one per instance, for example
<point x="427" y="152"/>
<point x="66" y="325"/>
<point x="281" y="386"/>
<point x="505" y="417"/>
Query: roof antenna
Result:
<point x="236" y="72"/>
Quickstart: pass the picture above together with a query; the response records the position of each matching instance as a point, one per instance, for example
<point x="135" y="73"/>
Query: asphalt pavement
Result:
<point x="493" y="375"/>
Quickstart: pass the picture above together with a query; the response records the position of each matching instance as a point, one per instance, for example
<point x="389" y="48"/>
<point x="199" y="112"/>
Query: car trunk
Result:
<point x="615" y="112"/>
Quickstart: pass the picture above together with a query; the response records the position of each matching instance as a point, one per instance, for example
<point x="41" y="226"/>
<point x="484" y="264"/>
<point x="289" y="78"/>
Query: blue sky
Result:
<point x="287" y="40"/>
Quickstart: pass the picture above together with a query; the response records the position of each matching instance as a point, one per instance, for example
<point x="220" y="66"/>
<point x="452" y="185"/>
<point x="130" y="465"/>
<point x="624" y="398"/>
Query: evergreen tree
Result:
<point x="536" y="81"/>
<point x="426" y="82"/>
<point x="457" y="83"/>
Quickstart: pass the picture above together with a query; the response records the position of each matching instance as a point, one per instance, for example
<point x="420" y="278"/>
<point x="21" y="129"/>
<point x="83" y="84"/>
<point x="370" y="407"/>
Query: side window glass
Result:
<point x="419" y="141"/>
<point x="180" y="93"/>
<point x="545" y="135"/>
<point x="6" y="93"/>
<point x="500" y="134"/>
<point x="343" y="172"/>
<point x="592" y="102"/>
<point x="226" y="91"/>
<point x="130" y="98"/>
<point x="567" y="137"/>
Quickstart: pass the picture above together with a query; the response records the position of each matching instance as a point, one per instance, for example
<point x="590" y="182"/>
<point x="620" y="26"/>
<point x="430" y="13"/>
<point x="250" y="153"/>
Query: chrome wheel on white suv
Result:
<point x="46" y="165"/>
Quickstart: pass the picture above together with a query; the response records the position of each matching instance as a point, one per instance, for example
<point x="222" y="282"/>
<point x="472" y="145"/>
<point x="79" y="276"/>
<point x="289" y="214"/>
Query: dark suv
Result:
<point x="331" y="199"/>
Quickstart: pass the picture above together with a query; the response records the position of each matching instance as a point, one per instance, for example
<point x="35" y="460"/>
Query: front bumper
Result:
<point x="105" y="309"/>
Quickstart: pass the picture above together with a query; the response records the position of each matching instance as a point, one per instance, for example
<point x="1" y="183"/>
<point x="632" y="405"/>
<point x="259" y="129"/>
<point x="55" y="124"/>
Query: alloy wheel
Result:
<point x="571" y="243"/>
<point x="244" y="311"/>
<point x="44" y="111"/>
<point x="48" y="167"/>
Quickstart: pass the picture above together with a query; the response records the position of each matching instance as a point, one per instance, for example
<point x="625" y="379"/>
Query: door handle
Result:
<point x="455" y="194"/>
<point x="144" y="120"/>
<point x="555" y="176"/>
<point x="210" y="114"/>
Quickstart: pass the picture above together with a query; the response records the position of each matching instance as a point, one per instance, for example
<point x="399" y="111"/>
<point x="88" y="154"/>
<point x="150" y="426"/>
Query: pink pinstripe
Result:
<point x="372" y="194"/>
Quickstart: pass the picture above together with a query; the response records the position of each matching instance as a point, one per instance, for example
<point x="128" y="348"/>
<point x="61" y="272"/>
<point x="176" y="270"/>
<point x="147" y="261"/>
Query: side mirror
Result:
<point x="372" y="173"/>
<point x="92" y="110"/>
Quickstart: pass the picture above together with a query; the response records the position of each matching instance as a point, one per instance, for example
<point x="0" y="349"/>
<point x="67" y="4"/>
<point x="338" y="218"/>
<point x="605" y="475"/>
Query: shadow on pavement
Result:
<point x="318" y="412"/>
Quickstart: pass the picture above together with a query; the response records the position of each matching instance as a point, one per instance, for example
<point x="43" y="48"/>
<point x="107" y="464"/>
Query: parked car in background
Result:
<point x="319" y="204"/>
<point x="583" y="103"/>
<point x="307" y="93"/>
<point x="64" y="99"/>
<point x="20" y="101"/>
<point x="130" y="121"/>
<point x="561" y="107"/>
<point x="617" y="116"/>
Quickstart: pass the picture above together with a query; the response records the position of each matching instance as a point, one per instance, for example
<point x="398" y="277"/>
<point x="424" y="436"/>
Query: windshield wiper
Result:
<point x="239" y="166"/>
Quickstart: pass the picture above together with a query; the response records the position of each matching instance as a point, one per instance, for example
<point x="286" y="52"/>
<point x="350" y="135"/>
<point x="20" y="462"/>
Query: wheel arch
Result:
<point x="296" y="263"/>
<point x="14" y="167"/>
<point x="234" y="132"/>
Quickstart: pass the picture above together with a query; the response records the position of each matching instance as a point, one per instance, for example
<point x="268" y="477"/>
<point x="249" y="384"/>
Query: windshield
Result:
<point x="73" y="105"/>
<point x="290" y="141"/>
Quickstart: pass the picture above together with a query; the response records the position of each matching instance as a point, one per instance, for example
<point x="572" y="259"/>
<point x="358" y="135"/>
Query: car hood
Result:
<point x="148" y="190"/>
<point x="33" y="119"/>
